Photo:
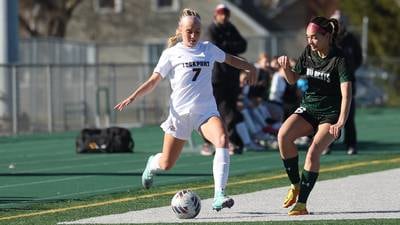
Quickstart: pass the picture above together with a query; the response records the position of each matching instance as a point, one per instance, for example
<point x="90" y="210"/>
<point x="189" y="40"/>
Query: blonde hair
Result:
<point x="185" y="12"/>
<point x="262" y="56"/>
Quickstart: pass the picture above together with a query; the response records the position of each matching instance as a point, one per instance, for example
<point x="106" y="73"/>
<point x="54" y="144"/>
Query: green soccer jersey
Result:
<point x="324" y="76"/>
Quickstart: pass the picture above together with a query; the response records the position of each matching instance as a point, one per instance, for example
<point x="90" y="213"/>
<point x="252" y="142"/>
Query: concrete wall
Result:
<point x="120" y="35"/>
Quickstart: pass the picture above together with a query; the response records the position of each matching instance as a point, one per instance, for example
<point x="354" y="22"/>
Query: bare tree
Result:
<point x="44" y="18"/>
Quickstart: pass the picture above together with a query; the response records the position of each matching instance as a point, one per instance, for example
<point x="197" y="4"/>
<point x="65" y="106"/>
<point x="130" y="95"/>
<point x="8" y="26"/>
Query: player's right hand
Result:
<point x="123" y="104"/>
<point x="284" y="62"/>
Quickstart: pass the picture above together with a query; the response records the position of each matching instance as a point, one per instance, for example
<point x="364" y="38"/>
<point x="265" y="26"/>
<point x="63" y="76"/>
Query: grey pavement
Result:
<point x="373" y="195"/>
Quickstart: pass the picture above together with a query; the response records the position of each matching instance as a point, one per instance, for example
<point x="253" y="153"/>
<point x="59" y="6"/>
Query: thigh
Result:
<point x="295" y="126"/>
<point x="172" y="148"/>
<point x="179" y="126"/>
<point x="213" y="129"/>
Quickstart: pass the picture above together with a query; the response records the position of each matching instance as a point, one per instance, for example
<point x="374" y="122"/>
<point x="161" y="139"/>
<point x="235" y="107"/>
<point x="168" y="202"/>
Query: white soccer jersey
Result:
<point x="189" y="71"/>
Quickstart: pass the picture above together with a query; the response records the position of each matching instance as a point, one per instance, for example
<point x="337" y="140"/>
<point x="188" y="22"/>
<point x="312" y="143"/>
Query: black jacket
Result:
<point x="227" y="38"/>
<point x="351" y="48"/>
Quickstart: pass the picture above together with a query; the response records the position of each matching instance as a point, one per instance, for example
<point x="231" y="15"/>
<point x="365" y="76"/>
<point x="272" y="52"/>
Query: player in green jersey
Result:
<point x="323" y="110"/>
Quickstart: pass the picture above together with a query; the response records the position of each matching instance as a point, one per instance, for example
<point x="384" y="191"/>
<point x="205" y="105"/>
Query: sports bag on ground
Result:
<point x="107" y="140"/>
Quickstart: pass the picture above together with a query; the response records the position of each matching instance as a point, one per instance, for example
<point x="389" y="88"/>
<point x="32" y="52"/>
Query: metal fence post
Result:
<point x="98" y="106"/>
<point x="142" y="110"/>
<point x="84" y="97"/>
<point x="113" y="93"/>
<point x="49" y="99"/>
<point x="15" y="99"/>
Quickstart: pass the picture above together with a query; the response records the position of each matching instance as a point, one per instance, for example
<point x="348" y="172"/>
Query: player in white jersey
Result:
<point x="188" y="65"/>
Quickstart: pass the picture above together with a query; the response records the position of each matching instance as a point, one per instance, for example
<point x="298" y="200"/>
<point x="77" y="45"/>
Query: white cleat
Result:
<point x="147" y="176"/>
<point x="221" y="201"/>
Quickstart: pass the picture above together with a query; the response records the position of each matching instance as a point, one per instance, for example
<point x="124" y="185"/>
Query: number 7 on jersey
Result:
<point x="196" y="73"/>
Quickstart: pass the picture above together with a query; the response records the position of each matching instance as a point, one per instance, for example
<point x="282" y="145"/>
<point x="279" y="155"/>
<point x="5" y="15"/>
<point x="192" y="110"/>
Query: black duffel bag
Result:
<point x="108" y="140"/>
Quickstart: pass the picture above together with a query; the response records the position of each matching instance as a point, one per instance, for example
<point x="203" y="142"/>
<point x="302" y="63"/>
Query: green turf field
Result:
<point x="43" y="180"/>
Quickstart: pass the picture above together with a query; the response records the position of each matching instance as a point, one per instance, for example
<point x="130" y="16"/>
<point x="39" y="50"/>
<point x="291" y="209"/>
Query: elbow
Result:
<point x="291" y="81"/>
<point x="347" y="95"/>
<point x="291" y="78"/>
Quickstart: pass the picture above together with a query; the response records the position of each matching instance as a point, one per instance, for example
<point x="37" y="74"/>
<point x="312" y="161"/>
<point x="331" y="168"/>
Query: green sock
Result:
<point x="307" y="183"/>
<point x="292" y="169"/>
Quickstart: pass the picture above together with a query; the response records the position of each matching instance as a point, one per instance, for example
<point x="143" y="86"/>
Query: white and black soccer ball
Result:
<point x="186" y="204"/>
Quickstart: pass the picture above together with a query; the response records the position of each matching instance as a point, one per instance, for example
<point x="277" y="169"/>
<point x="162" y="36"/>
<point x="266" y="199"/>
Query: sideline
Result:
<point x="329" y="169"/>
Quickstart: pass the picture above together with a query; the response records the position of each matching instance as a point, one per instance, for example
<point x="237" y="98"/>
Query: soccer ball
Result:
<point x="186" y="204"/>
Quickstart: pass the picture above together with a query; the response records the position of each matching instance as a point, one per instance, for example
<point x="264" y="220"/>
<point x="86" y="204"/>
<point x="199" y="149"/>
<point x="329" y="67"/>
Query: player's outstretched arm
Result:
<point x="243" y="65"/>
<point x="142" y="90"/>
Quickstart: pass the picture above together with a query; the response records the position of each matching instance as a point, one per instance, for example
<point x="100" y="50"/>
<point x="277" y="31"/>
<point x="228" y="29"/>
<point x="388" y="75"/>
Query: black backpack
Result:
<point x="108" y="140"/>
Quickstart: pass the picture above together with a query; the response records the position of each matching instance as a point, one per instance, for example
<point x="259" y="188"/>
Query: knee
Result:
<point x="283" y="137"/>
<point x="221" y="141"/>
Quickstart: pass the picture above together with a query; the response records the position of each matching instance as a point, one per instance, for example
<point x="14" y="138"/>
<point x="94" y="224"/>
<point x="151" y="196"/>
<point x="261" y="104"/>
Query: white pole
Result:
<point x="49" y="80"/>
<point x="8" y="54"/>
<point x="4" y="109"/>
<point x="364" y="38"/>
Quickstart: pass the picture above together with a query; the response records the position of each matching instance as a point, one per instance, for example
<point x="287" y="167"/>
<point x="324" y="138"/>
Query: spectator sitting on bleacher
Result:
<point x="247" y="105"/>
<point x="275" y="98"/>
<point x="264" y="75"/>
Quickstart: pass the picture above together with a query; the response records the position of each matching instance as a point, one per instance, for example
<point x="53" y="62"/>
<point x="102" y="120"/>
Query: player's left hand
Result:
<point x="335" y="130"/>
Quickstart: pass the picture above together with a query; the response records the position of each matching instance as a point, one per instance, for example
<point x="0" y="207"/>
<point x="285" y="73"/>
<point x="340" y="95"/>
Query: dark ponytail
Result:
<point x="335" y="29"/>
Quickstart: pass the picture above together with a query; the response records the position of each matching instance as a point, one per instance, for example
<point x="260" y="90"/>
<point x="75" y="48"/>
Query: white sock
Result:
<point x="155" y="165"/>
<point x="220" y="169"/>
<point x="249" y="121"/>
<point x="243" y="132"/>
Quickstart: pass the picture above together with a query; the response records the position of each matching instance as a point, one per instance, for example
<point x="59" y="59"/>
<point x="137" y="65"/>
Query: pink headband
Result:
<point x="313" y="27"/>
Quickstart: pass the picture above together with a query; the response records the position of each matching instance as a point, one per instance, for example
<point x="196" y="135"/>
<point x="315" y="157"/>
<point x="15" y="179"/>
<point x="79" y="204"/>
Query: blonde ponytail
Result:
<point x="175" y="38"/>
